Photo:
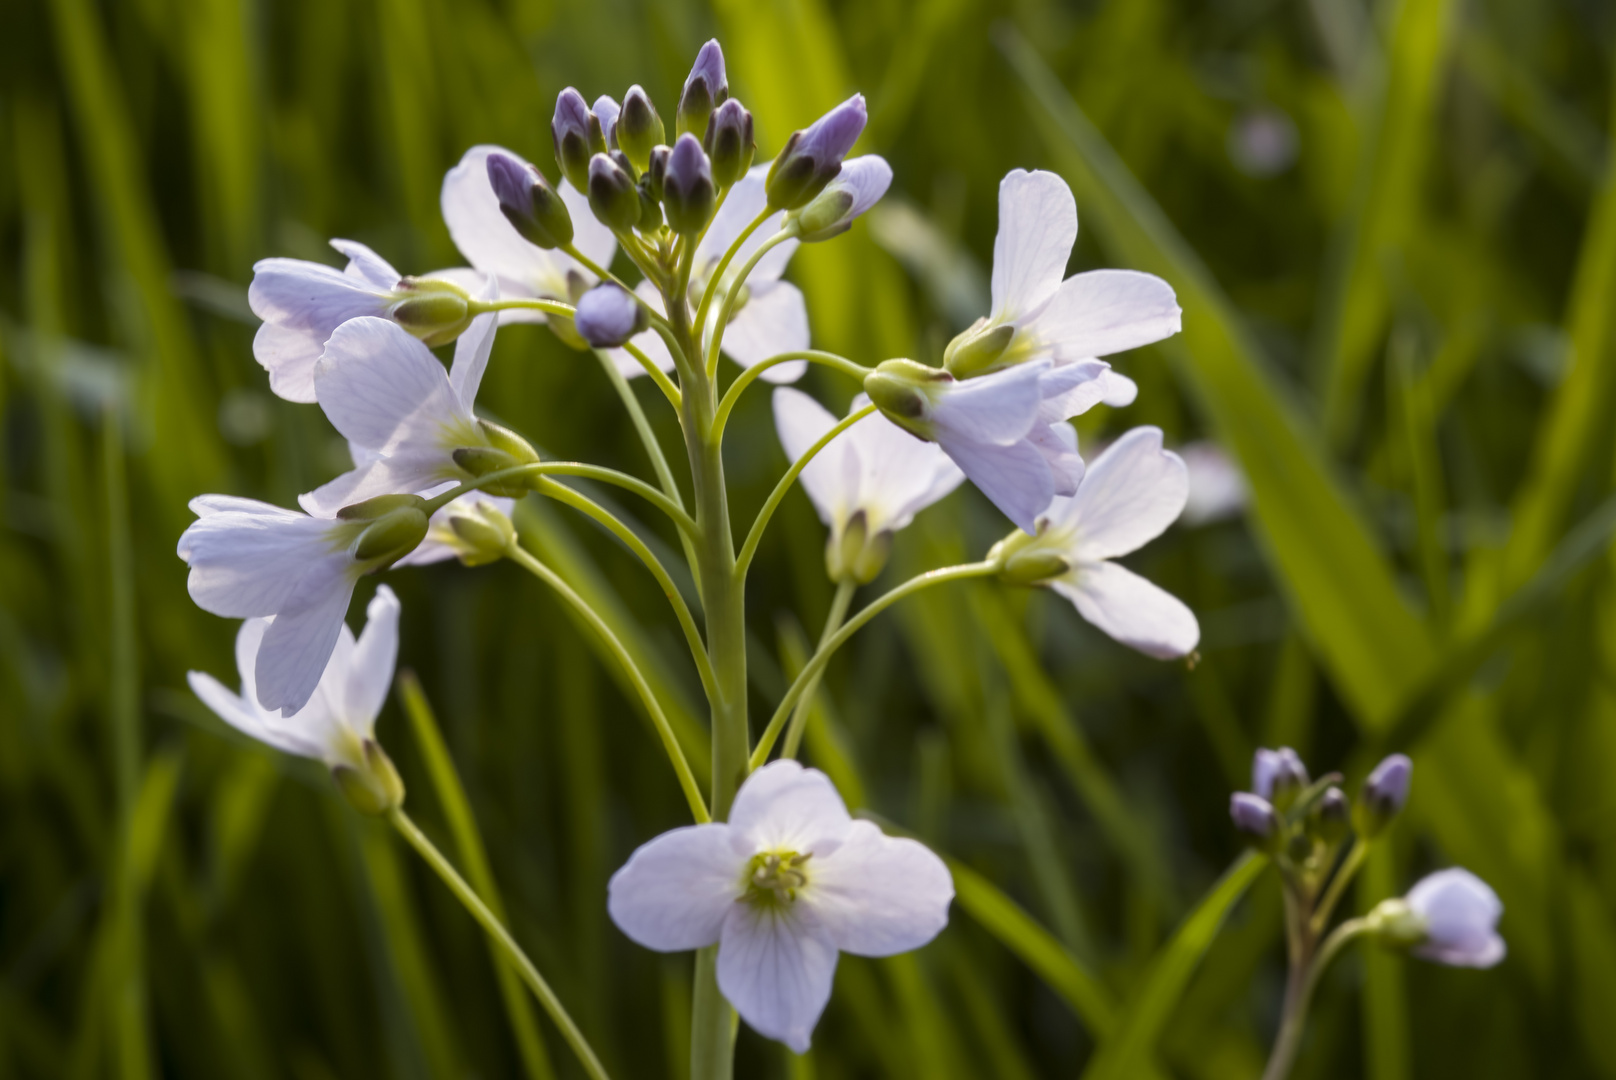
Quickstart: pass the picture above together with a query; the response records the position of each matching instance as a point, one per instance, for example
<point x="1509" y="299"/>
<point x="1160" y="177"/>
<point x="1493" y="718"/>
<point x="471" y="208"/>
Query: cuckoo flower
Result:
<point x="868" y="483"/>
<point x="789" y="882"/>
<point x="249" y="559"/>
<point x="492" y="244"/>
<point x="1131" y="493"/>
<point x="1450" y="917"/>
<point x="769" y="316"/>
<point x="338" y="724"/>
<point x="302" y="302"/>
<point x="1036" y="314"/>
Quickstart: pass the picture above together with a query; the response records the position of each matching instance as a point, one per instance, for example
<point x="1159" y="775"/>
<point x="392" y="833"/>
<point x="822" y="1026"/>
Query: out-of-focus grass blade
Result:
<point x="1354" y="314"/>
<point x="474" y="857"/>
<point x="409" y="100"/>
<point x="1038" y="948"/>
<point x="1326" y="557"/>
<point x="1593" y="967"/>
<point x="1004" y="1054"/>
<point x="935" y="1049"/>
<point x="826" y="741"/>
<point x="1422" y="460"/>
<point x="1385" y="996"/>
<point x="224" y="111"/>
<point x="1130" y="1050"/>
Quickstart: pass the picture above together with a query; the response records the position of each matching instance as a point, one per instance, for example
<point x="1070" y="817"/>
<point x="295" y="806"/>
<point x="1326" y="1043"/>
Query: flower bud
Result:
<point x="812" y="157"/>
<point x="1033" y="566"/>
<point x="978" y="349"/>
<point x="656" y="172"/>
<point x="608" y="315"/>
<point x="1278" y="776"/>
<point x="638" y="127"/>
<point x="604" y="135"/>
<point x="482" y="534"/>
<point x="899" y="389"/>
<point x="529" y="203"/>
<point x="397" y="525"/>
<point x="730" y="143"/>
<point x="859" y="185"/>
<point x="706" y="88"/>
<point x="852" y="554"/>
<point x="1256" y="819"/>
<point x="612" y="194"/>
<point x="1331" y="816"/>
<point x="373" y="786"/>
<point x="434" y="310"/>
<point x="575" y="131"/>
<point x="505" y="449"/>
<point x="1383" y="795"/>
<point x="688" y="194"/>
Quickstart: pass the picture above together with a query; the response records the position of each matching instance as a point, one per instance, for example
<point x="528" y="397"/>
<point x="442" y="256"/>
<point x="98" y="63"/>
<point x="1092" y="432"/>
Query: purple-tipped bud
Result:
<point x="607" y="113"/>
<point x="706" y="89"/>
<point x="1332" y="816"/>
<point x="688" y="194"/>
<point x="1384" y="793"/>
<point x="730" y="143"/>
<point x="528" y="202"/>
<point x="812" y="157"/>
<point x="638" y="127"/>
<point x="576" y="132"/>
<point x="858" y="187"/>
<point x="608" y="315"/>
<point x="1254" y="817"/>
<point x="656" y="171"/>
<point x="1278" y="775"/>
<point x="612" y="195"/>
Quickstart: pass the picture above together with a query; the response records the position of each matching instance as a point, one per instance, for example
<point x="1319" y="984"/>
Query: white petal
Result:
<point x="1217" y="486"/>
<point x="776" y="967"/>
<point x="999" y="408"/>
<point x="1461" y="911"/>
<point x="288" y="355"/>
<point x="774" y="320"/>
<point x="1131" y="609"/>
<point x="245" y="718"/>
<point x="746" y="200"/>
<point x="901" y="474"/>
<point x="1106" y="311"/>
<point x="1072" y="388"/>
<point x="367" y="266"/>
<point x="472" y="350"/>
<point x="675" y="890"/>
<point x="801" y="421"/>
<point x="370" y="671"/>
<point x="878" y="895"/>
<point x="301" y="303"/>
<point x="867" y="178"/>
<point x="1058" y="443"/>
<point x="298" y="644"/>
<point x="404" y="472"/>
<point x="785" y="807"/>
<point x="203" y="505"/>
<point x="1015" y="478"/>
<point x="1131" y="493"/>
<point x="382" y="388"/>
<point x="1037" y="228"/>
<point x="245" y="564"/>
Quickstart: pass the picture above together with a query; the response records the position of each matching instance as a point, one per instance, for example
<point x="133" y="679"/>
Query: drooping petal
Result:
<point x="298" y="644"/>
<point x="1071" y="389"/>
<point x="878" y="895"/>
<point x="247" y="563"/>
<point x="774" y="320"/>
<point x="900" y="475"/>
<point x="1106" y="311"/>
<point x="370" y="669"/>
<point x="1131" y="609"/>
<point x="473" y="348"/>
<point x="776" y="967"/>
<point x="1131" y="493"/>
<point x="1037" y="228"/>
<point x="1057" y="442"/>
<point x="785" y="807"/>
<point x="1015" y="478"/>
<point x="801" y="421"/>
<point x="288" y="355"/>
<point x="1461" y="913"/>
<point x="241" y="715"/>
<point x="381" y="387"/>
<point x="301" y="303"/>
<point x="999" y="409"/>
<point x="675" y="891"/>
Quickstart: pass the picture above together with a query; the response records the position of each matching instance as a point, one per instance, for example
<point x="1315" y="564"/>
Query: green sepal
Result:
<point x="373" y="788"/>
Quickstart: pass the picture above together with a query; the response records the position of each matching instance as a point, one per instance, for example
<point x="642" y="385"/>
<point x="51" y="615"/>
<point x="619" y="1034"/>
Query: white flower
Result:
<point x="1129" y="496"/>
<point x="1217" y="486"/>
<point x="492" y="245"/>
<point x="1036" y="314"/>
<point x="789" y="882"/>
<point x="769" y="318"/>
<point x="1005" y="430"/>
<point x="874" y="469"/>
<point x="340" y="717"/>
<point x="250" y="559"/>
<point x="1460" y="915"/>
<point x="302" y="302"/>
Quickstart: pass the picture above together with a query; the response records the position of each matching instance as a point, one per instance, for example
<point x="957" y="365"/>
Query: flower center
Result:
<point x="773" y="877"/>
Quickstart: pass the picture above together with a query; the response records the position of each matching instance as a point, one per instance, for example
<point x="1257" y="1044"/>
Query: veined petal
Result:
<point x="301" y="303"/>
<point x="288" y="354"/>
<point x="900" y="475"/>
<point x="998" y="409"/>
<point x="1037" y="228"/>
<point x="776" y="967"/>
<point x="472" y="349"/>
<point x="246" y="718"/>
<point x="801" y="421"/>
<point x="785" y="807"/>
<point x="878" y="895"/>
<point x="411" y="470"/>
<point x="1058" y="443"/>
<point x="1015" y="478"/>
<point x="1131" y="609"/>
<point x="381" y="387"/>
<point x="774" y="320"/>
<point x="1106" y="311"/>
<point x="367" y="266"/>
<point x="1132" y="492"/>
<point x="298" y="644"/>
<point x="675" y="891"/>
<point x="370" y="669"/>
<point x="247" y="563"/>
<point x="203" y="505"/>
<point x="1072" y="388"/>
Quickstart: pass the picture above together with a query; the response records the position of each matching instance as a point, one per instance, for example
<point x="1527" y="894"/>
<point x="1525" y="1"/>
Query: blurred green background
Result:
<point x="1392" y="226"/>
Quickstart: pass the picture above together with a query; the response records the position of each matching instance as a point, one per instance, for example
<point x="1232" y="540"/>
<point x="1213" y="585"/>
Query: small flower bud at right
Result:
<point x="812" y="157"/>
<point x="1332" y="816"/>
<point x="730" y="143"/>
<point x="688" y="195"/>
<point x="706" y="88"/>
<point x="1384" y="794"/>
<point x="574" y="130"/>
<point x="858" y="187"/>
<point x="604" y="133"/>
<point x="609" y="315"/>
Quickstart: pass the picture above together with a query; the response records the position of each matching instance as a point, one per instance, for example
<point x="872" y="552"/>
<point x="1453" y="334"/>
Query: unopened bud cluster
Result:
<point x="1288" y="814"/>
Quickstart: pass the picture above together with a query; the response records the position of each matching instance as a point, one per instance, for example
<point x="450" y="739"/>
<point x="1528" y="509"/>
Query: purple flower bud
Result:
<point x="812" y="157"/>
<point x="706" y="88"/>
<point x="528" y="203"/>
<point x="1278" y="775"/>
<point x="688" y="194"/>
<point x="612" y="194"/>
<point x="1254" y="817"/>
<point x="575" y="131"/>
<point x="638" y="127"/>
<point x="730" y="142"/>
<point x="606" y="115"/>
<point x="859" y="185"/>
<point x="1384" y="793"/>
<point x="608" y="315"/>
<point x="1332" y="816"/>
<point x="1460" y="914"/>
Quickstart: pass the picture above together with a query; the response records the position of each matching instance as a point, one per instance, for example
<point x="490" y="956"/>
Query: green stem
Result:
<point x="755" y="535"/>
<point x="833" y="622"/>
<point x="1338" y="885"/>
<point x="571" y="468"/>
<point x="687" y="780"/>
<point x="549" y="307"/>
<point x="747" y="377"/>
<point x="718" y="273"/>
<point x="817" y="662"/>
<point x="1299" y="987"/>
<point x="734" y="291"/>
<point x="496" y="930"/>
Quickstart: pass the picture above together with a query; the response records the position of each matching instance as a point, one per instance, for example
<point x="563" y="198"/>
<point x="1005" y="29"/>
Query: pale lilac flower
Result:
<point x="769" y="318"/>
<point x="1131" y="493"/>
<point x="788" y="883"/>
<point x="859" y="186"/>
<point x="302" y="302"/>
<point x="1218" y="489"/>
<point x="492" y="245"/>
<point x="1460" y="916"/>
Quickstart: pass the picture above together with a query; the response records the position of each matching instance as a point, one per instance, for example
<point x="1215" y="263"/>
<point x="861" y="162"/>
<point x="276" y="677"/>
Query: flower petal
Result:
<point x="774" y="320"/>
<point x="675" y="890"/>
<point x="301" y="303"/>
<point x="1131" y="609"/>
<point x="1015" y="478"/>
<point x="1058" y="443"/>
<point x="776" y="967"/>
<point x="878" y="895"/>
<point x="999" y="409"/>
<point x="1106" y="311"/>
<point x="367" y="266"/>
<point x="410" y="471"/>
<point x="785" y="807"/>
<point x="299" y="642"/>
<point x="473" y="348"/>
<point x="288" y="355"/>
<point x="1131" y="493"/>
<point x="241" y="715"/>
<point x="247" y="563"/>
<point x="901" y="474"/>
<point x="369" y="674"/>
<point x="801" y="421"/>
<point x="381" y="388"/>
<point x="1461" y="912"/>
<point x="649" y="342"/>
<point x="745" y="201"/>
<point x="1037" y="228"/>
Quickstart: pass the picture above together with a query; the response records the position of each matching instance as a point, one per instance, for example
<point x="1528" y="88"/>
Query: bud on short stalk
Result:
<point x="730" y="143"/>
<point x="1278" y="776"/>
<point x="706" y="88"/>
<point x="609" y="315"/>
<point x="1331" y="817"/>
<point x="528" y="202"/>
<point x="483" y="534"/>
<point x="505" y="450"/>
<point x="859" y="186"/>
<point x="604" y="135"/>
<point x="1254" y="817"/>
<point x="978" y="350"/>
<point x="638" y="128"/>
<point x="612" y="194"/>
<point x="433" y="310"/>
<point x="854" y="554"/>
<point x="656" y="172"/>
<point x="374" y="786"/>
<point x="1384" y="794"/>
<point x="813" y="157"/>
<point x="395" y="525"/>
<point x="576" y="132"/>
<point x="688" y="195"/>
<point x="899" y="389"/>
